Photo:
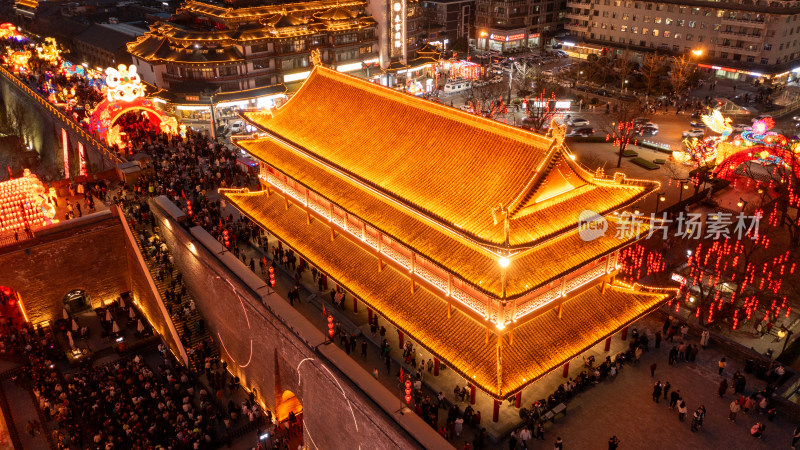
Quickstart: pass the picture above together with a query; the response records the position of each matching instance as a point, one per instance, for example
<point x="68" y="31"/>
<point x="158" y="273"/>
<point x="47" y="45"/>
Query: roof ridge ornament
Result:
<point x="316" y="58"/>
<point x="557" y="132"/>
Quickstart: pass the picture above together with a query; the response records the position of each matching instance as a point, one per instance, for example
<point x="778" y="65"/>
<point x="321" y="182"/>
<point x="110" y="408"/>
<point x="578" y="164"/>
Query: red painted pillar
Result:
<point x="608" y="344"/>
<point x="472" y="394"/>
<point x="436" y="367"/>
<point x="401" y="339"/>
<point x="355" y="304"/>
<point x="496" y="411"/>
<point x="625" y="333"/>
<point x="518" y="400"/>
<point x="369" y="315"/>
<point x="566" y="369"/>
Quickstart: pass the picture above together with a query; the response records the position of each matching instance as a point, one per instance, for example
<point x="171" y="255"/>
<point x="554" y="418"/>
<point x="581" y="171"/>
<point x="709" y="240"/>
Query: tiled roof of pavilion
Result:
<point x="496" y="365"/>
<point x="447" y="165"/>
<point x="530" y="269"/>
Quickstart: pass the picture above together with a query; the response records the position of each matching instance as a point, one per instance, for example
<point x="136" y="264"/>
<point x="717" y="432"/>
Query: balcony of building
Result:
<point x="578" y="3"/>
<point x="754" y="50"/>
<point x="577" y="26"/>
<point x="743" y="35"/>
<point x="577" y="15"/>
<point x="756" y="23"/>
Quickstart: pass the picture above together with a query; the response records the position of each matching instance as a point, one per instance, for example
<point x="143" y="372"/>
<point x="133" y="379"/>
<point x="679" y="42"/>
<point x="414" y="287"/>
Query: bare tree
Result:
<point x="541" y="110"/>
<point x="652" y="69"/>
<point x="624" y="64"/>
<point x="524" y="75"/>
<point x="681" y="70"/>
<point x="622" y="130"/>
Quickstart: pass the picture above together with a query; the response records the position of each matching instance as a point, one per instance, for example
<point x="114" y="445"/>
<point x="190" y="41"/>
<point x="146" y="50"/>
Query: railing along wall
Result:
<point x="63" y="118"/>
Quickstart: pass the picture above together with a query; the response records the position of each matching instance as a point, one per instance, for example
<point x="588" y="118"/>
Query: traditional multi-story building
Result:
<point x="735" y="39"/>
<point x="470" y="236"/>
<point x="503" y="25"/>
<point x="248" y="57"/>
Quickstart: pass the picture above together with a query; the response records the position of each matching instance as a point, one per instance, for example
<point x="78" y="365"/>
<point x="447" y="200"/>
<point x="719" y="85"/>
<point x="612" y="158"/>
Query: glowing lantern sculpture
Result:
<point x="272" y="277"/>
<point x="125" y="92"/>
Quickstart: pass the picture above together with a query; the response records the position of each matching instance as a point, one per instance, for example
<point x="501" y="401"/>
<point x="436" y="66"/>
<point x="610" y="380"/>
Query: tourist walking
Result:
<point x="757" y="430"/>
<point x="613" y="443"/>
<point x="656" y="391"/>
<point x="723" y="387"/>
<point x="722" y="364"/>
<point x="734" y="409"/>
<point x="682" y="409"/>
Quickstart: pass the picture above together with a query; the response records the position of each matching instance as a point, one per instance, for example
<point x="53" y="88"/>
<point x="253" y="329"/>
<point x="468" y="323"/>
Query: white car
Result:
<point x="237" y="127"/>
<point x="761" y="117"/>
<point x="578" y="122"/>
<point x="695" y="133"/>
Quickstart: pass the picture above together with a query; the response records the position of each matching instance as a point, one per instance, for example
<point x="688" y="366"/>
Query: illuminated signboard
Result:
<point x="82" y="157"/>
<point x="397" y="15"/>
<point x="65" y="145"/>
<point x="501" y="38"/>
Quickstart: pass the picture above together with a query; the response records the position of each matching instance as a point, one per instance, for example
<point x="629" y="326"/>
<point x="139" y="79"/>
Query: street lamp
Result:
<point x="684" y="186"/>
<point x="626" y="86"/>
<point x="660" y="198"/>
<point x="742" y="203"/>
<point x="697" y="52"/>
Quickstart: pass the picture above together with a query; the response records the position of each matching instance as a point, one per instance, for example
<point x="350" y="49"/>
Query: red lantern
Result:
<point x="225" y="235"/>
<point x="408" y="392"/>
<point x="272" y="277"/>
<point x="330" y="326"/>
<point x="189" y="207"/>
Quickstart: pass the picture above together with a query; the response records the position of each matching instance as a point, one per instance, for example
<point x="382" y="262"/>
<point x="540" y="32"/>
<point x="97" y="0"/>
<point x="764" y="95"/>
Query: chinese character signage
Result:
<point x="397" y="32"/>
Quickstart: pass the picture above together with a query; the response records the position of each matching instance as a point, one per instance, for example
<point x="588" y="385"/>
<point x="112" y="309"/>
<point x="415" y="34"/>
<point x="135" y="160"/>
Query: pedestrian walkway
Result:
<point x="624" y="407"/>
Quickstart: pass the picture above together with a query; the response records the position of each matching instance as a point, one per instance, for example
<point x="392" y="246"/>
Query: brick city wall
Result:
<point x="270" y="356"/>
<point x="86" y="253"/>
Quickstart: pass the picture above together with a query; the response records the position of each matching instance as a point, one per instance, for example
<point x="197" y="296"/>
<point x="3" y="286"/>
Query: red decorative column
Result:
<point x="401" y="339"/>
<point x="369" y="315"/>
<point x="608" y="344"/>
<point x="472" y="394"/>
<point x="436" y="367"/>
<point x="625" y="333"/>
<point x="496" y="411"/>
<point x="566" y="369"/>
<point x="355" y="304"/>
<point x="518" y="400"/>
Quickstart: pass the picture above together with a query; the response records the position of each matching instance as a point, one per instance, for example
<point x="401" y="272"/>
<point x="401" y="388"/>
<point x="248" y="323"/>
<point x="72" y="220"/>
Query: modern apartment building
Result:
<point x="736" y="39"/>
<point x="504" y="25"/>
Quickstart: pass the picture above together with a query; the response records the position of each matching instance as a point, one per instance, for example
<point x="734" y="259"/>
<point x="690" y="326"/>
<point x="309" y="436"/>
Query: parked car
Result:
<point x="602" y="92"/>
<point x="760" y="117"/>
<point x="640" y="121"/>
<point x="696" y="133"/>
<point x="697" y="124"/>
<point x="237" y="127"/>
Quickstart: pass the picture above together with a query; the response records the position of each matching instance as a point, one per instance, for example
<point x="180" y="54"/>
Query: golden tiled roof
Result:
<point x="448" y="165"/>
<point x="462" y="257"/>
<point x="539" y="345"/>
